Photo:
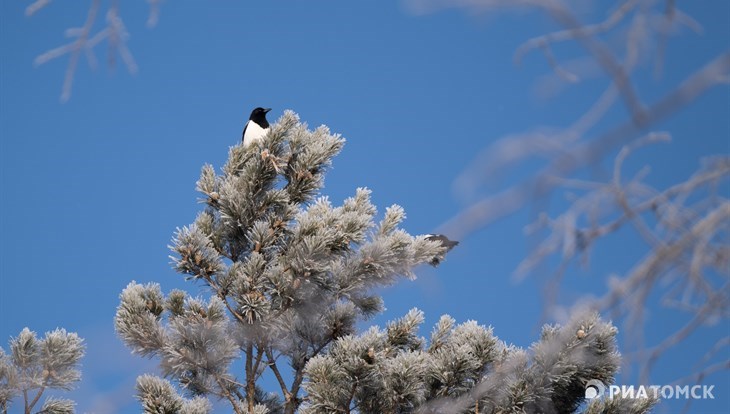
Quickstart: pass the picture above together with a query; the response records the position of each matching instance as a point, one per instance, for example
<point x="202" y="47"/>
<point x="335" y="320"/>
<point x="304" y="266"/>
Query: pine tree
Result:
<point x="290" y="275"/>
<point x="35" y="365"/>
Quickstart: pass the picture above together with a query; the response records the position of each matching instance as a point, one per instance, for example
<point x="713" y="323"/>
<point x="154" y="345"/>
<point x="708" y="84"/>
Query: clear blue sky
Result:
<point x="92" y="190"/>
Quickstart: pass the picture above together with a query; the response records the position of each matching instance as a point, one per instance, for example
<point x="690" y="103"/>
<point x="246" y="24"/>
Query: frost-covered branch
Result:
<point x="464" y="369"/>
<point x="86" y="39"/>
<point x="290" y="275"/>
<point x="35" y="365"/>
<point x="289" y="271"/>
<point x="683" y="227"/>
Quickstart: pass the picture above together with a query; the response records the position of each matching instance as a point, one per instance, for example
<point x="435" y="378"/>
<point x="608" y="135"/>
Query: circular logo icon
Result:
<point x="594" y="389"/>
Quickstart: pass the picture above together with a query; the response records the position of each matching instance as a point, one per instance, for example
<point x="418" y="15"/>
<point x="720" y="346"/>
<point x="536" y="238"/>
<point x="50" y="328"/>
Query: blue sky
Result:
<point x="92" y="190"/>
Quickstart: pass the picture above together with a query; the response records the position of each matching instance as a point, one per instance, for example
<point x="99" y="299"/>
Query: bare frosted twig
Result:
<point x="114" y="32"/>
<point x="36" y="6"/>
<point x="685" y="227"/>
<point x="74" y="49"/>
<point x="154" y="15"/>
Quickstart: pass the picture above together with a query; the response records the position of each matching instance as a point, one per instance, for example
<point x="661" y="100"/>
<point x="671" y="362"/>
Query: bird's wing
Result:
<point x="243" y="134"/>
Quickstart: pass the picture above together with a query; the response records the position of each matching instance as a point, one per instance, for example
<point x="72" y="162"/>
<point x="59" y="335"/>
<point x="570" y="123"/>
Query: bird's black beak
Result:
<point x="266" y="110"/>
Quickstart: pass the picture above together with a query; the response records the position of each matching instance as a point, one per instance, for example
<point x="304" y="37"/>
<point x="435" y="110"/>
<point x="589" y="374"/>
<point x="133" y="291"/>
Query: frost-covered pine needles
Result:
<point x="291" y="274"/>
<point x="35" y="365"/>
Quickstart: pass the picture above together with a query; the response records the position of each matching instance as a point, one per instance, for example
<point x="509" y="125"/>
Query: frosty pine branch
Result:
<point x="36" y="365"/>
<point x="291" y="274"/>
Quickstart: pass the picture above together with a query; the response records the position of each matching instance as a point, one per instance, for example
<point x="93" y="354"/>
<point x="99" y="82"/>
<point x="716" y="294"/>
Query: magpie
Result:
<point x="256" y="127"/>
<point x="445" y="243"/>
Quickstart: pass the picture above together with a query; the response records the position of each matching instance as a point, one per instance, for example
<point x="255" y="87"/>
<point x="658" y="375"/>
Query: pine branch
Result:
<point x="35" y="366"/>
<point x="300" y="274"/>
<point x="250" y="377"/>
<point x="275" y="369"/>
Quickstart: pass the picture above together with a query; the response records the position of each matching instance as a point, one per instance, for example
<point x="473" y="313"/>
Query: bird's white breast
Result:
<point x="253" y="133"/>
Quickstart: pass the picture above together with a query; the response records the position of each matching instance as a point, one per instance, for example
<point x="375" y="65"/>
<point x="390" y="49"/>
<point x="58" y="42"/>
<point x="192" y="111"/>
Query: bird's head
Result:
<point x="259" y="114"/>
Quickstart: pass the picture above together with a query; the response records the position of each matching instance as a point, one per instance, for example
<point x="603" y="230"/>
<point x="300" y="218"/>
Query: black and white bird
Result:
<point x="256" y="127"/>
<point x="445" y="242"/>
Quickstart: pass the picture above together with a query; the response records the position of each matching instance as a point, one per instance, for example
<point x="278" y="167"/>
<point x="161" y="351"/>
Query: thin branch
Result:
<point x="25" y="399"/>
<point x="272" y="365"/>
<point x="639" y="224"/>
<point x="700" y="377"/>
<point x="38" y="395"/>
<point x="586" y="35"/>
<point x="299" y="374"/>
<point x="351" y="396"/>
<point x="259" y="357"/>
<point x="603" y="56"/>
<point x="699" y="318"/>
<point x="658" y="258"/>
<point x="719" y="345"/>
<point x="74" y="49"/>
<point x="226" y="393"/>
<point x="572" y="33"/>
<point x="36" y="6"/>
<point x="665" y="27"/>
<point x="118" y="39"/>
<point x="489" y="209"/>
<point x="43" y="385"/>
<point x="250" y="378"/>
<point x="115" y="33"/>
<point x="154" y="15"/>
<point x="219" y="291"/>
